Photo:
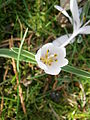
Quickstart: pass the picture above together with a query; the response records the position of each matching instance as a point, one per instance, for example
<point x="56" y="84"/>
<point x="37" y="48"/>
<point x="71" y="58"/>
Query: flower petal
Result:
<point x="52" y="71"/>
<point x="63" y="11"/>
<point x="84" y="30"/>
<point x="61" y="40"/>
<point x="56" y="68"/>
<point x="60" y="51"/>
<point x="75" y="13"/>
<point x="45" y="48"/>
<point x="53" y="49"/>
<point x="37" y="57"/>
<point x="70" y="40"/>
<point x="63" y="62"/>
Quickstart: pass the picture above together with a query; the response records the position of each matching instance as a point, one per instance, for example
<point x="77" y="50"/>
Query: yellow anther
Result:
<point x="41" y="58"/>
<point x="55" y="55"/>
<point x="56" y="60"/>
<point x="47" y="51"/>
<point x="49" y="64"/>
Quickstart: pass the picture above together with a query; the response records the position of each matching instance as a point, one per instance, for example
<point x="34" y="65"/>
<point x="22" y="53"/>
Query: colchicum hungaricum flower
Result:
<point x="51" y="58"/>
<point x="78" y="27"/>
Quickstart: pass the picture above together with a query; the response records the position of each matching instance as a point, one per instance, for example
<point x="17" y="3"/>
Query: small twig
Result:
<point x="7" y="40"/>
<point x="17" y="78"/>
<point x="1" y="107"/>
<point x="11" y="42"/>
<point x="36" y="48"/>
<point x="59" y="88"/>
<point x="54" y="113"/>
<point x="46" y="86"/>
<point x="20" y="89"/>
<point x="6" y="72"/>
<point x="29" y="41"/>
<point x="55" y="83"/>
<point x="84" y="96"/>
<point x="49" y="38"/>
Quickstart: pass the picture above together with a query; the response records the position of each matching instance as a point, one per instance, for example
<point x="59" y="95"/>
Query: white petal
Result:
<point x="52" y="71"/>
<point x="68" y="41"/>
<point x="80" y="11"/>
<point x="60" y="40"/>
<point x="84" y="30"/>
<point x="63" y="39"/>
<point x="75" y="13"/>
<point x="45" y="48"/>
<point x="37" y="57"/>
<point x="61" y="52"/>
<point x="63" y="11"/>
<point x="55" y="69"/>
<point x="53" y="49"/>
<point x="63" y="62"/>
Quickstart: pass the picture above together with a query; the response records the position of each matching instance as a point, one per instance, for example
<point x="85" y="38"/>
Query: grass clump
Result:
<point x="66" y="97"/>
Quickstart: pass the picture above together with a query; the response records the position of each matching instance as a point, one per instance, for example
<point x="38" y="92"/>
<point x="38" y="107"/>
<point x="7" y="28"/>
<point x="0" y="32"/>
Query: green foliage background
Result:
<point x="40" y="17"/>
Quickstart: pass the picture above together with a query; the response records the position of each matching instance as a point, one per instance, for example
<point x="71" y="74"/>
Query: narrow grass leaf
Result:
<point x="24" y="53"/>
<point x="76" y="71"/>
<point x="6" y="98"/>
<point x="19" y="52"/>
<point x="7" y="53"/>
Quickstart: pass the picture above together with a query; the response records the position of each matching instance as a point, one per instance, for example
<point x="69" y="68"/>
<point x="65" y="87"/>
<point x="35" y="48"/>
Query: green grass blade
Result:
<point x="27" y="58"/>
<point x="6" y="98"/>
<point x="76" y="71"/>
<point x="4" y="52"/>
<point x="19" y="52"/>
<point x="26" y="7"/>
<point x="7" y="53"/>
<point x="24" y="53"/>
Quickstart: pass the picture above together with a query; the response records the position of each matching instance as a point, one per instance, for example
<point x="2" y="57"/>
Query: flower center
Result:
<point x="48" y="59"/>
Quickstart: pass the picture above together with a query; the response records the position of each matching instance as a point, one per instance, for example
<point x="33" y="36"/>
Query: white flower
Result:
<point x="51" y="58"/>
<point x="78" y="28"/>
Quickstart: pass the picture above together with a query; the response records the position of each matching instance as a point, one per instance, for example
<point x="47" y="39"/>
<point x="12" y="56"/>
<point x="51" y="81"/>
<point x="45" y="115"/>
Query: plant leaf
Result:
<point x="76" y="71"/>
<point x="19" y="52"/>
<point x="29" y="57"/>
<point x="24" y="53"/>
<point x="7" y="53"/>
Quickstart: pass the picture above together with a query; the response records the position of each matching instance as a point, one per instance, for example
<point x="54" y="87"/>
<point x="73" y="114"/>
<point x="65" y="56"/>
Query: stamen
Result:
<point x="49" y="64"/>
<point x="41" y="58"/>
<point x="55" y="55"/>
<point x="56" y="60"/>
<point x="46" y="55"/>
<point x="49" y="59"/>
<point x="48" y="51"/>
